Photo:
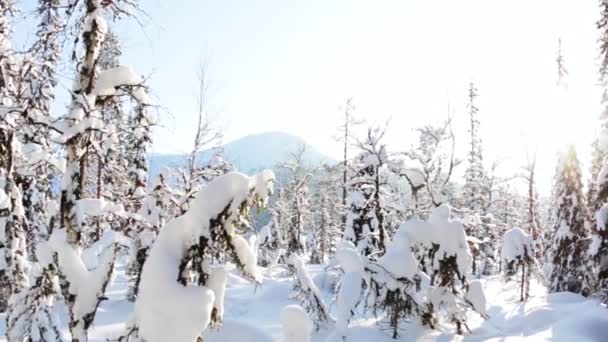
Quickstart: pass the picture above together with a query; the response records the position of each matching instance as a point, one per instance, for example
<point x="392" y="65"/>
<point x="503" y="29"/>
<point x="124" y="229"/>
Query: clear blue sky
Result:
<point x="286" y="65"/>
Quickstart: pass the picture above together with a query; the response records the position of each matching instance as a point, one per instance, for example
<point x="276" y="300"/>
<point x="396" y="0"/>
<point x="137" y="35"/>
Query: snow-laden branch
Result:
<point x="168" y="307"/>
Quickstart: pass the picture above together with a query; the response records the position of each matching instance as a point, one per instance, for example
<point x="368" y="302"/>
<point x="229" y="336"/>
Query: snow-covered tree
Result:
<point x="346" y="130"/>
<point x="475" y="186"/>
<point x="195" y="246"/>
<point x="429" y="167"/>
<point x="396" y="287"/>
<point x="83" y="288"/>
<point x="365" y="225"/>
<point x="533" y="226"/>
<point x="571" y="268"/>
<point x="600" y="201"/>
<point x="517" y="252"/>
<point x="451" y="293"/>
<point x="325" y="229"/>
<point x="270" y="240"/>
<point x="295" y="204"/>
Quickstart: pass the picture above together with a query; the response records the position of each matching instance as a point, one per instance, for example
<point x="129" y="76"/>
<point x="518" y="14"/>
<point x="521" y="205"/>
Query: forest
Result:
<point x="383" y="244"/>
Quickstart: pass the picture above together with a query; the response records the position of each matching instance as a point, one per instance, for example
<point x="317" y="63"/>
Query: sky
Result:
<point x="286" y="65"/>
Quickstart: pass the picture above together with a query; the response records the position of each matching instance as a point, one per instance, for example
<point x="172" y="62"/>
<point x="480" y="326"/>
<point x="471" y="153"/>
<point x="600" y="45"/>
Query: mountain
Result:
<point x="250" y="153"/>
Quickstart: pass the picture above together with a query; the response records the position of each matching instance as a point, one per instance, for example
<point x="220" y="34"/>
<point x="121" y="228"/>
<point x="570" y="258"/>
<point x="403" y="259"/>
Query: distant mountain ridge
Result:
<point x="250" y="153"/>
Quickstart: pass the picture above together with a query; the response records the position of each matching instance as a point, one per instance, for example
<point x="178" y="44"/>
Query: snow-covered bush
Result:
<point x="182" y="283"/>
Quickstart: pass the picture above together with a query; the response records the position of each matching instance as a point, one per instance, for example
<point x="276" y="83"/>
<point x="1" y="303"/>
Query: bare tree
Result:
<point x="207" y="135"/>
<point x="346" y="136"/>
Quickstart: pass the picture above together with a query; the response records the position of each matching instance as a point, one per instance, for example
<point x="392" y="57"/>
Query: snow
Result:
<point x="451" y="237"/>
<point x="110" y="80"/>
<point x="601" y="217"/>
<point x="399" y="259"/>
<point x="515" y="243"/>
<point x="476" y="296"/>
<point x="349" y="257"/>
<point x="296" y="325"/>
<point x="253" y="314"/>
<point x="415" y="176"/>
<point x="348" y="297"/>
<point x="217" y="283"/>
<point x="4" y="200"/>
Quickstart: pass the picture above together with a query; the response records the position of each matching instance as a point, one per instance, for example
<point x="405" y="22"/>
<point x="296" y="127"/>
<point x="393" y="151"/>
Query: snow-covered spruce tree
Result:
<point x="476" y="193"/>
<point x="306" y="292"/>
<point x="571" y="266"/>
<point x="475" y="186"/>
<point x="451" y="293"/>
<point x="325" y="229"/>
<point x="8" y="74"/>
<point x="14" y="266"/>
<point x="395" y="287"/>
<point x="600" y="202"/>
<point x="597" y="160"/>
<point x="150" y="207"/>
<point x="365" y="217"/>
<point x="36" y="94"/>
<point x="270" y="240"/>
<point x="517" y="253"/>
<point x="185" y="273"/>
<point x="387" y="288"/>
<point x="295" y="204"/>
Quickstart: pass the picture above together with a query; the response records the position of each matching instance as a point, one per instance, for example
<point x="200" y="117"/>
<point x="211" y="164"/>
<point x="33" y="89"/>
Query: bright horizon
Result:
<point x="288" y="66"/>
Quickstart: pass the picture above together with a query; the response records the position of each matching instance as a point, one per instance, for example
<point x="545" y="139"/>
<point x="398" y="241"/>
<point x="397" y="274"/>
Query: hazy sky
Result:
<point x="283" y="65"/>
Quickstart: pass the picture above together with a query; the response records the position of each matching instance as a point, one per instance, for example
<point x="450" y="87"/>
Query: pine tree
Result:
<point x="571" y="270"/>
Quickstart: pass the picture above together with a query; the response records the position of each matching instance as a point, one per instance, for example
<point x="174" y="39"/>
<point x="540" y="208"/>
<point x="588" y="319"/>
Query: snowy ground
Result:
<point x="253" y="315"/>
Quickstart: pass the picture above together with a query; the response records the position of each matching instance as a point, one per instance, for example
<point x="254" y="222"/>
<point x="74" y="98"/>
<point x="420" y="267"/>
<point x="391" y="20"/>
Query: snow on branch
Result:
<point x="308" y="294"/>
<point x="85" y="287"/>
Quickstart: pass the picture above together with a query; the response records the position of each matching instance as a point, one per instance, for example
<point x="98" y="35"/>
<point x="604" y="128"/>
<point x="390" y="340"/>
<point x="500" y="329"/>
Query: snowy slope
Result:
<point x="246" y="154"/>
<point x="253" y="314"/>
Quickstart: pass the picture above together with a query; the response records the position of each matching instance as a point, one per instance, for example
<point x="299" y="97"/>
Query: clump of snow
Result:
<point x="601" y="217"/>
<point x="399" y="259"/>
<point x="451" y="237"/>
<point x="349" y="257"/>
<point x="217" y="283"/>
<point x="348" y="297"/>
<point x="296" y="325"/>
<point x="516" y="243"/>
<point x="247" y="256"/>
<point x="476" y="296"/>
